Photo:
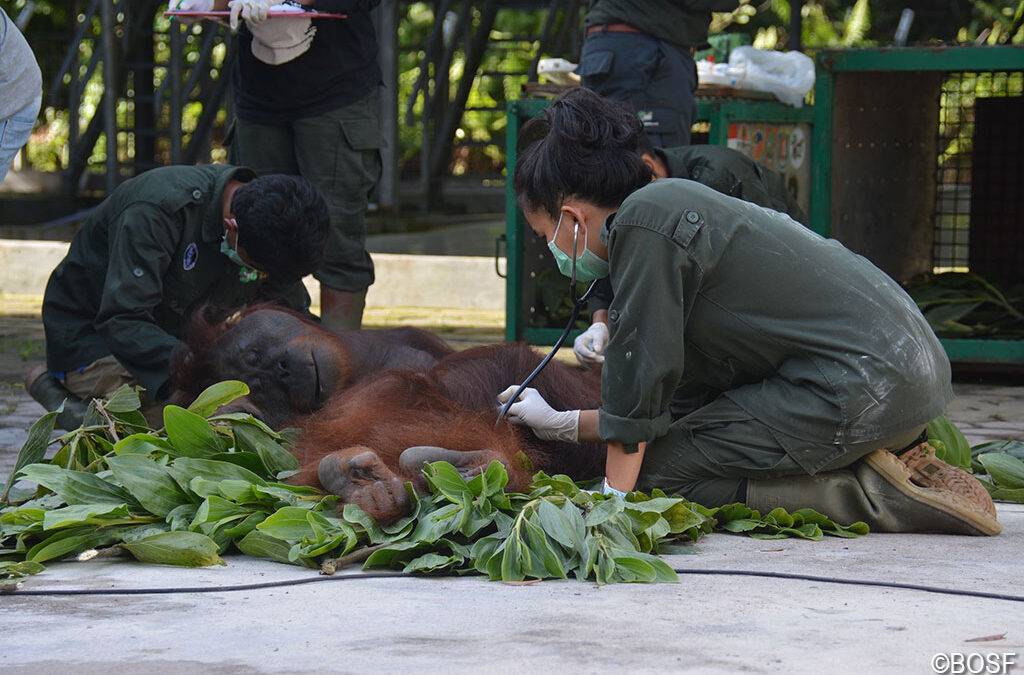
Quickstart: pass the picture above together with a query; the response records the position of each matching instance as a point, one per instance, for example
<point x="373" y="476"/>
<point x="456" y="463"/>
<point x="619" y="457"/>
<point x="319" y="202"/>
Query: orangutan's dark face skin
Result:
<point x="290" y="367"/>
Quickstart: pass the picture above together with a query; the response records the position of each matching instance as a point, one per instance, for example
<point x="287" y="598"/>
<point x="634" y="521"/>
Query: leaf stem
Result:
<point x="331" y="565"/>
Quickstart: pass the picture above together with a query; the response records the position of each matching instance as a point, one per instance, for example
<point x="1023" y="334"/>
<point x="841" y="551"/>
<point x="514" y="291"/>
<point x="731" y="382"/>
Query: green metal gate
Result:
<point x="918" y="165"/>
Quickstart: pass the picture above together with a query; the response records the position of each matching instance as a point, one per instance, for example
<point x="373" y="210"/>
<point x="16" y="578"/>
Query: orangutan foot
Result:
<point x="359" y="476"/>
<point x="467" y="462"/>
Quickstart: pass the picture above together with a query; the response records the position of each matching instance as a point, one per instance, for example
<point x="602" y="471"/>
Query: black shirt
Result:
<point x="339" y="68"/>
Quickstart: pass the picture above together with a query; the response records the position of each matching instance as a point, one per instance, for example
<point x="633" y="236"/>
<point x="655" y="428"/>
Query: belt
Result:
<point x="625" y="28"/>
<point x="612" y="28"/>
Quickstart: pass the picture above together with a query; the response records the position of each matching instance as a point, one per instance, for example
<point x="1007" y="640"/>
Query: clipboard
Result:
<point x="272" y="15"/>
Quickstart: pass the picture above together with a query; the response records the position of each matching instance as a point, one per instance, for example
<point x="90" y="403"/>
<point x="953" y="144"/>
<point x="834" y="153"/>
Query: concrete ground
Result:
<point x="705" y="624"/>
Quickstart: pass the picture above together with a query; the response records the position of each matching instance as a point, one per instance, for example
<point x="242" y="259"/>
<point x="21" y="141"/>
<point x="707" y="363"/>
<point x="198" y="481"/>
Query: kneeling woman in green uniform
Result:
<point x="750" y="359"/>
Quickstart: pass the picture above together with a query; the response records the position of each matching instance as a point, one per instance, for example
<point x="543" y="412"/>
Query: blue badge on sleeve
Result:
<point x="191" y="256"/>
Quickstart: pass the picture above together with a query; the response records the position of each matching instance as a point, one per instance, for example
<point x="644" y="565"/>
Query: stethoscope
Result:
<point x="577" y="304"/>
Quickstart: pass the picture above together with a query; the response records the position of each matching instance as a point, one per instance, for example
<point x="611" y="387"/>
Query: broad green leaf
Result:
<point x="73" y="540"/>
<point x="632" y="569"/>
<point x="742" y="525"/>
<point x="432" y="562"/>
<point x="143" y="531"/>
<point x="1001" y="494"/>
<point x="77" y="487"/>
<point x="261" y="545"/>
<point x="954" y="448"/>
<point x="214" y="509"/>
<point x="246" y="418"/>
<point x="190" y="434"/>
<point x="397" y="554"/>
<point x="148" y="482"/>
<point x="1006" y="470"/>
<point x="181" y="517"/>
<point x="243" y="527"/>
<point x="216" y="471"/>
<point x="274" y="457"/>
<point x="443" y="478"/>
<point x="10" y="569"/>
<point x="143" y="444"/>
<point x="34" y="448"/>
<point x="185" y="549"/>
<point x="288" y="524"/>
<point x="246" y="460"/>
<point x="544" y="551"/>
<point x="218" y="395"/>
<point x="124" y="400"/>
<point x="1014" y="448"/>
<point x="557" y="524"/>
<point x="84" y="514"/>
<point x="604" y="510"/>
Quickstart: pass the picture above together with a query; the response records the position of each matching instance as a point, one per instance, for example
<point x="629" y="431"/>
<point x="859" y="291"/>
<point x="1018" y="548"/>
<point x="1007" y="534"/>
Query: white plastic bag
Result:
<point x="787" y="75"/>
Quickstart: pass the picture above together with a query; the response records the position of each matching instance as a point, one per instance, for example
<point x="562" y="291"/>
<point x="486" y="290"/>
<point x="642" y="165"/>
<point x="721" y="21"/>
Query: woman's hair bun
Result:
<point x="594" y="122"/>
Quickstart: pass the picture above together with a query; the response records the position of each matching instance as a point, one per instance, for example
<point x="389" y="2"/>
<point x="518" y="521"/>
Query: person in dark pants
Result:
<point x="307" y="103"/>
<point x="640" y="52"/>
<point x="808" y="374"/>
<point x="161" y="246"/>
<point x="722" y="169"/>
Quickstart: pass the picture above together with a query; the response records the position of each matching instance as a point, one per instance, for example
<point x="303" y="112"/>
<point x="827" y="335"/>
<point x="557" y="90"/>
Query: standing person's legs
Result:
<point x="339" y="152"/>
<point x="14" y="134"/>
<point x="654" y="77"/>
<point x="264" y="148"/>
<point x="721" y="454"/>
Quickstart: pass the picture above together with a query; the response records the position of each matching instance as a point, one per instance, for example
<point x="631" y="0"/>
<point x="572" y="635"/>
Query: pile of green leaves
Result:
<point x="1003" y="462"/>
<point x="998" y="465"/>
<point x="206" y="483"/>
<point x="963" y="305"/>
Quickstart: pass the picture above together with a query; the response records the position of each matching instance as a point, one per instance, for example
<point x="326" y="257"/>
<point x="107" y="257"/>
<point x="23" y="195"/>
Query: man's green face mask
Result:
<point x="587" y="267"/>
<point x="246" y="274"/>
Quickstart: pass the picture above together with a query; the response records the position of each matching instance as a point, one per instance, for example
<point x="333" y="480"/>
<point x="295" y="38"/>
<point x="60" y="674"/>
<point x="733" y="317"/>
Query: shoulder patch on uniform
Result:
<point x="191" y="256"/>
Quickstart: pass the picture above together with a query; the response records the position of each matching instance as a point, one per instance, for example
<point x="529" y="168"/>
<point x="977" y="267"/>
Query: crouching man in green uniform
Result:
<point x="750" y="359"/>
<point x="722" y="169"/>
<point x="159" y="247"/>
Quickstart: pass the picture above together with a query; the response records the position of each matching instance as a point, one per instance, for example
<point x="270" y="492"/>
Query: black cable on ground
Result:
<point x="398" y="575"/>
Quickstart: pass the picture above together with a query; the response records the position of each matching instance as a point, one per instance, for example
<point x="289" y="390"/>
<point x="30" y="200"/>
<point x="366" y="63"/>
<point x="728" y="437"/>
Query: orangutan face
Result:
<point x="292" y="367"/>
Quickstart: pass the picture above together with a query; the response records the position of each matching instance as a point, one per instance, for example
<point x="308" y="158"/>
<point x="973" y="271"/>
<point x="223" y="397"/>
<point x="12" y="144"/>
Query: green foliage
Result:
<point x="208" y="483"/>
<point x="950" y="444"/>
<point x="966" y="305"/>
<point x="1005" y="481"/>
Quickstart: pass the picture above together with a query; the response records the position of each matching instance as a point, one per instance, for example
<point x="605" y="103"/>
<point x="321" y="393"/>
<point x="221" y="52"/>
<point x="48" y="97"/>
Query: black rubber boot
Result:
<point x="50" y="393"/>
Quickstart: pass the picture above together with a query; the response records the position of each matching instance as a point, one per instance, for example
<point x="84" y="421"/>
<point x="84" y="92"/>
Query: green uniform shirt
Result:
<point x="716" y="293"/>
<point x="723" y="169"/>
<point x="681" y="22"/>
<point x="143" y="261"/>
<point x="732" y="173"/>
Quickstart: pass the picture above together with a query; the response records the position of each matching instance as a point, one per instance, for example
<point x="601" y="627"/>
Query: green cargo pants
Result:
<point x="338" y="152"/>
<point x="708" y="455"/>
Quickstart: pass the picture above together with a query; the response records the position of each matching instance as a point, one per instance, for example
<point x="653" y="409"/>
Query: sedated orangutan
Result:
<point x="292" y="366"/>
<point x="376" y="433"/>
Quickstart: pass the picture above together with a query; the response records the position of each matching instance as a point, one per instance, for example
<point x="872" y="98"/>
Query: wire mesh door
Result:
<point x="979" y="198"/>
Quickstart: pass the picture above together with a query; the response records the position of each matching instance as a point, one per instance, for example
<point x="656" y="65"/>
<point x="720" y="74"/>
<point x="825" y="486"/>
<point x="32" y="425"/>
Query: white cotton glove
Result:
<point x="590" y="345"/>
<point x="190" y="6"/>
<point x="249" y="10"/>
<point x="533" y="411"/>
